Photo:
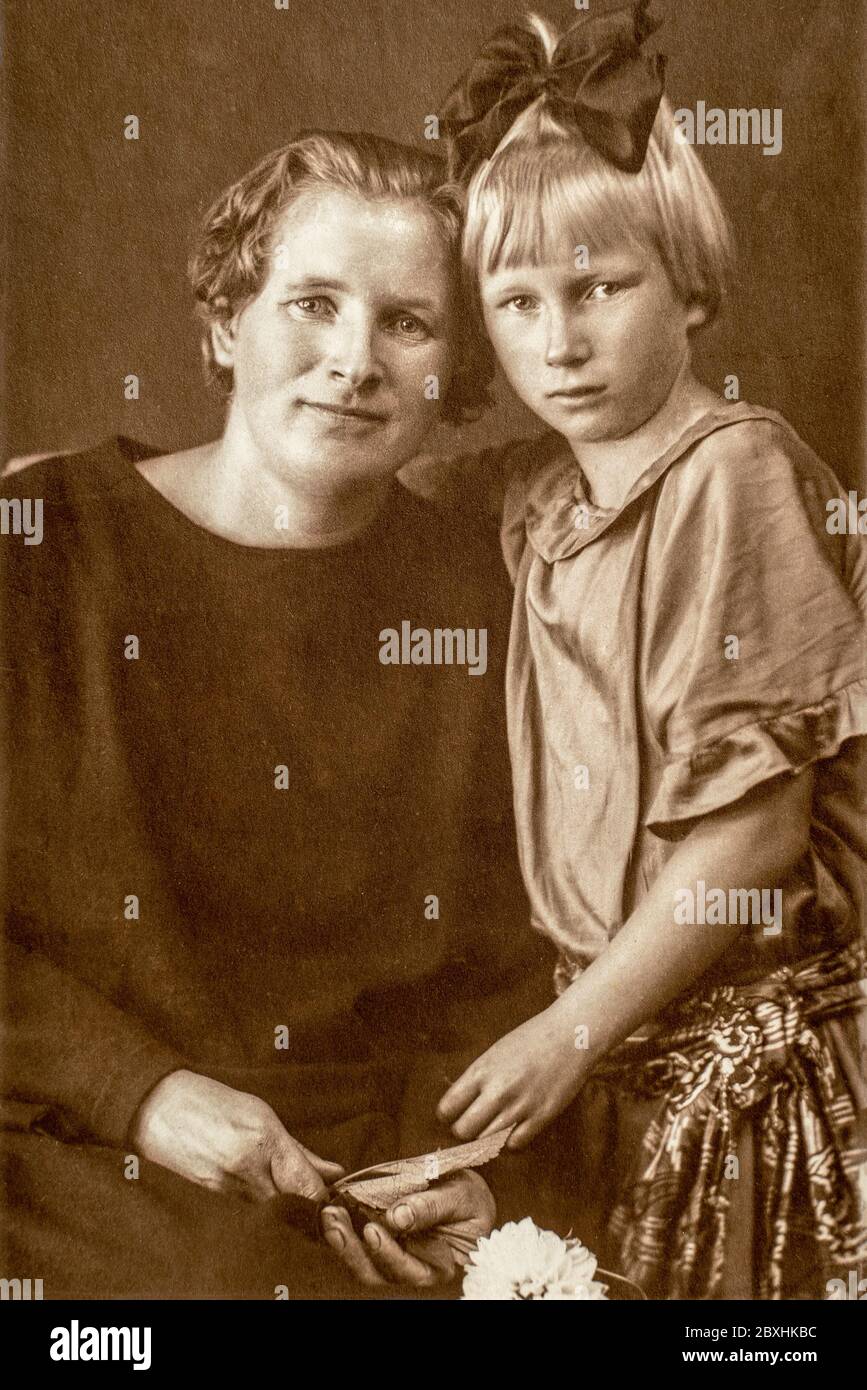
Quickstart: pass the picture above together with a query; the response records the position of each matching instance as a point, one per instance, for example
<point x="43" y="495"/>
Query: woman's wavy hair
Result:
<point x="229" y="262"/>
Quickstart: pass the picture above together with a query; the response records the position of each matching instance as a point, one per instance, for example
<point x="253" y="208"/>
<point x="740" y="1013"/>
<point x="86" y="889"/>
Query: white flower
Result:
<point x="520" y="1261"/>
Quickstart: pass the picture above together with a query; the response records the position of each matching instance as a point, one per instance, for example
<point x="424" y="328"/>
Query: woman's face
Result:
<point x="333" y="358"/>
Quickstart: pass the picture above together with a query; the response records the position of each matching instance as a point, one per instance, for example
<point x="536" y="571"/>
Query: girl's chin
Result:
<point x="588" y="421"/>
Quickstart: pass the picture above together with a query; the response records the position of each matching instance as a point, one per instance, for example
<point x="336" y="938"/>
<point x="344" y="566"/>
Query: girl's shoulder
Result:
<point x="746" y="479"/>
<point x="737" y="453"/>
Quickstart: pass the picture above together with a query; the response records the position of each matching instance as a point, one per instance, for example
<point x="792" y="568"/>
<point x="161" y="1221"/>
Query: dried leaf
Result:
<point x="384" y="1184"/>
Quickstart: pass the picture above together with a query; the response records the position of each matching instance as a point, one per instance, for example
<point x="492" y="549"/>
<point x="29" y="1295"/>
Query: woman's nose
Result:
<point x="566" y="341"/>
<point x="353" y="358"/>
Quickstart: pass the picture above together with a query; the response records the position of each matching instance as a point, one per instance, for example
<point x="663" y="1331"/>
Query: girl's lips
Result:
<point x="576" y="393"/>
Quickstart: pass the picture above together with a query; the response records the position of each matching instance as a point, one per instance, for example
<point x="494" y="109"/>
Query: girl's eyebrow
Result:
<point x="606" y="270"/>
<point x="515" y="284"/>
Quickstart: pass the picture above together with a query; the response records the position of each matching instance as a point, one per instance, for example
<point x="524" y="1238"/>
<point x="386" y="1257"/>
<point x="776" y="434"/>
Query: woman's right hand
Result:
<point x="226" y="1140"/>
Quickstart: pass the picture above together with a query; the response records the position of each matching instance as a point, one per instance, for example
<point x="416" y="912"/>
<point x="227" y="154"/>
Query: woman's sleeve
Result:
<point x="473" y="483"/>
<point x="499" y="971"/>
<point x="67" y="1049"/>
<point x="754" y="643"/>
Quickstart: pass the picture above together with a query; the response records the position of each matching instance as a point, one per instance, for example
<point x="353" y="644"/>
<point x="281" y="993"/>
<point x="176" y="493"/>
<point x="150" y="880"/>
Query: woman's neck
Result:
<point x="611" y="466"/>
<point x="251" y="505"/>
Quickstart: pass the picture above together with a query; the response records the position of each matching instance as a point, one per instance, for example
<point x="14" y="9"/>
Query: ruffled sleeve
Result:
<point x="754" y="655"/>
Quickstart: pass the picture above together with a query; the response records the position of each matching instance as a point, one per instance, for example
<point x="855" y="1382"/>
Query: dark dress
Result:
<point x="175" y="900"/>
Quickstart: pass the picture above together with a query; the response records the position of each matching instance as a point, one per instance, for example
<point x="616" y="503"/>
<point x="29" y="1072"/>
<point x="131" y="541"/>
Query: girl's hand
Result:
<point x="525" y="1079"/>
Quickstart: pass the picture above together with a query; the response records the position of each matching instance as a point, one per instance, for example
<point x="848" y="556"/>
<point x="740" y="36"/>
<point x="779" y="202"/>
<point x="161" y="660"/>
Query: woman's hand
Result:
<point x="525" y="1079"/>
<point x="463" y="1202"/>
<point x="226" y="1140"/>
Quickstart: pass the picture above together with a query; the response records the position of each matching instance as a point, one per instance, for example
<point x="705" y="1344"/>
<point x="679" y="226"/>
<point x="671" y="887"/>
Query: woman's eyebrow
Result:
<point x="395" y="301"/>
<point x="420" y="304"/>
<point x="309" y="282"/>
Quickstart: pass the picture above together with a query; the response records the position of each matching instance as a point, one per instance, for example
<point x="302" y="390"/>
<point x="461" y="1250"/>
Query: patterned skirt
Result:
<point x="750" y="1155"/>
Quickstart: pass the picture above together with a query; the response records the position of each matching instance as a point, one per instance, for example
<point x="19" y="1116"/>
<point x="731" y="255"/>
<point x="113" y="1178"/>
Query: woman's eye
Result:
<point x="408" y="326"/>
<point x="521" y="303"/>
<point x="311" y="306"/>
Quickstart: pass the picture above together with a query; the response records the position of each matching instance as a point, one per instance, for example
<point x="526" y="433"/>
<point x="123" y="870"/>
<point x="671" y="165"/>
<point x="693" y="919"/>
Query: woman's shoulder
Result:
<point x="67" y="507"/>
<point x="476" y="482"/>
<point x="68" y="474"/>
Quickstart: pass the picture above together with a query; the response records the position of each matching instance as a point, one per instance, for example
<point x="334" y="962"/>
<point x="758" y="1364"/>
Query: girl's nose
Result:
<point x="566" y="341"/>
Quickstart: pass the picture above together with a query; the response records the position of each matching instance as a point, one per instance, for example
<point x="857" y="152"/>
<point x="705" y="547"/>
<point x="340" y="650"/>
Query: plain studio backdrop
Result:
<point x="99" y="227"/>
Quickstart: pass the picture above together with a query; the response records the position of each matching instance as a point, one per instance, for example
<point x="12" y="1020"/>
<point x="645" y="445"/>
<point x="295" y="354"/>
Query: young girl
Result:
<point x="687" y="694"/>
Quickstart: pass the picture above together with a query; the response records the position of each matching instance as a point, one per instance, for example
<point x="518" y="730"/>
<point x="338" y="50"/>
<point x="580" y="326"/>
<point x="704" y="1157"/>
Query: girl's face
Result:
<point x="594" y="353"/>
<point x="331" y="358"/>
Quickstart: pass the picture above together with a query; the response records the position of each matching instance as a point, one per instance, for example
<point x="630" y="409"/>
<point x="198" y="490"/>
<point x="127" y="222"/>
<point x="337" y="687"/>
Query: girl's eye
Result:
<point x="521" y="303"/>
<point x="606" y="289"/>
<point x="408" y="326"/>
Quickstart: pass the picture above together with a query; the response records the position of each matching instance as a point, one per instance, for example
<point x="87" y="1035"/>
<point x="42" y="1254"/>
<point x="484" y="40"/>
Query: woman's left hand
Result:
<point x="525" y="1079"/>
<point x="463" y="1202"/>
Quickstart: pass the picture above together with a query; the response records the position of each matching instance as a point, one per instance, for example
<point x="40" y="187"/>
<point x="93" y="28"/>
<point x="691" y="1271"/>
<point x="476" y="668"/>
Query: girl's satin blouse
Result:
<point x="669" y="655"/>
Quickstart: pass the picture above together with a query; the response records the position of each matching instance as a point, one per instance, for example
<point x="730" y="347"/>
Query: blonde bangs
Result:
<point x="537" y="203"/>
<point x="545" y="192"/>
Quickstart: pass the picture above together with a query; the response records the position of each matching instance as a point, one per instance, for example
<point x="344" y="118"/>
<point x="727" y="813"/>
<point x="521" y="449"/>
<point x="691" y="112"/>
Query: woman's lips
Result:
<point x="346" y="412"/>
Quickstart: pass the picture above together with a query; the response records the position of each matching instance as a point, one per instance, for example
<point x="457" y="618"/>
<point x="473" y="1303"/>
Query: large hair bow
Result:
<point x="599" y="82"/>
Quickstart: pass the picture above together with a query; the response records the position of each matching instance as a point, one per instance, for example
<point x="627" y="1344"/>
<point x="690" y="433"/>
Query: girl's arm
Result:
<point x="530" y="1075"/>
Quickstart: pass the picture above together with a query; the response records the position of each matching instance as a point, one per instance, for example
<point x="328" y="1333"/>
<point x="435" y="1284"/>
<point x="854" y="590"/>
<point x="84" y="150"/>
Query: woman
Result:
<point x="257" y="878"/>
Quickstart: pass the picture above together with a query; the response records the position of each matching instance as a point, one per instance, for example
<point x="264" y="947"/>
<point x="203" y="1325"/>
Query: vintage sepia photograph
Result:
<point x="433" y="580"/>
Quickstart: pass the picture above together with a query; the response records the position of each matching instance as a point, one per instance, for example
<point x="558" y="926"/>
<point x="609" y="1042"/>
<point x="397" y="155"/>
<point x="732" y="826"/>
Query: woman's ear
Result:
<point x="697" y="315"/>
<point x="223" y="343"/>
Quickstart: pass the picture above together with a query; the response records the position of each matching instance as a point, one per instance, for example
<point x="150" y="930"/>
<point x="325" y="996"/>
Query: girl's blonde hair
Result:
<point x="231" y="257"/>
<point x="544" y="184"/>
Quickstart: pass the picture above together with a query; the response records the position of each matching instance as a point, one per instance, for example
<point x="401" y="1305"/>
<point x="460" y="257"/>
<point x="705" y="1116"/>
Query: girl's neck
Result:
<point x="611" y="466"/>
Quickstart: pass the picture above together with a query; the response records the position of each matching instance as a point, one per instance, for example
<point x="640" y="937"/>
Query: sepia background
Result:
<point x="99" y="227"/>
